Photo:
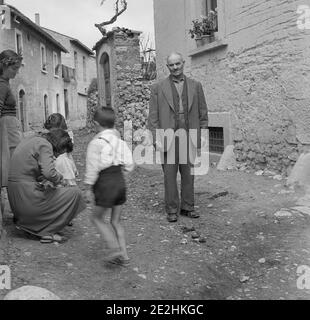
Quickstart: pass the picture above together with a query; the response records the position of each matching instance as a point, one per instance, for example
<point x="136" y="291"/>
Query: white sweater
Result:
<point x="106" y="149"/>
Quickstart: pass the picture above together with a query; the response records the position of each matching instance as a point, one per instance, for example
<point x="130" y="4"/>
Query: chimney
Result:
<point x="37" y="18"/>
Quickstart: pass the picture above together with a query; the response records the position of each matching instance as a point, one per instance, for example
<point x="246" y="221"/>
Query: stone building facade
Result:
<point x="79" y="60"/>
<point x="255" y="74"/>
<point x="120" y="84"/>
<point x="57" y="70"/>
<point x="38" y="87"/>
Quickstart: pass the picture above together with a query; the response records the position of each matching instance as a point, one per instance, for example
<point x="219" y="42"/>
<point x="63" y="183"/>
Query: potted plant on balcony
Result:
<point x="203" y="29"/>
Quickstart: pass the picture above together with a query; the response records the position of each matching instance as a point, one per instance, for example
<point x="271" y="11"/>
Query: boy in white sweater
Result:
<point x="107" y="156"/>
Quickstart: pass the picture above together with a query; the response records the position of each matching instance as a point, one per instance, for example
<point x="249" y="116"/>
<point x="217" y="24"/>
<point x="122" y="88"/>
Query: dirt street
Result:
<point x="252" y="248"/>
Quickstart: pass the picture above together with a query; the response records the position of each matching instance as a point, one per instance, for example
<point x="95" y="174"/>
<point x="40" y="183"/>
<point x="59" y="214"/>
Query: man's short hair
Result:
<point x="174" y="53"/>
<point x="105" y="117"/>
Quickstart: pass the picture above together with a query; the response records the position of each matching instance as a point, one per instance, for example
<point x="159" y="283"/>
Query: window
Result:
<point x="45" y="101"/>
<point x="76" y="64"/>
<point x="19" y="41"/>
<point x="66" y="103"/>
<point x="43" y="58"/>
<point x="84" y="69"/>
<point x="216" y="139"/>
<point x="56" y="64"/>
<point x="2" y="14"/>
<point x="5" y="18"/>
<point x="57" y="103"/>
<point x="211" y="5"/>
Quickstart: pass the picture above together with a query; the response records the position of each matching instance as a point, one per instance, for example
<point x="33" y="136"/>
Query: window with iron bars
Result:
<point x="216" y="139"/>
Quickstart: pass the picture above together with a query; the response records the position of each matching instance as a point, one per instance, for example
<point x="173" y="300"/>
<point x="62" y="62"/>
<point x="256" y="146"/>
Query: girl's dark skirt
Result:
<point x="110" y="188"/>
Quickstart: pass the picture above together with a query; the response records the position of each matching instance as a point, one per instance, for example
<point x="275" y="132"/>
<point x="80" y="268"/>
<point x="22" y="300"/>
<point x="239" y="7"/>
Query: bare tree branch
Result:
<point x="118" y="12"/>
<point x="148" y="55"/>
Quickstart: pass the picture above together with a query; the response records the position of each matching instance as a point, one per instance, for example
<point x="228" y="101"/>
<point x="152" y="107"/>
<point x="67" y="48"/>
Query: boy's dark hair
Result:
<point x="55" y="120"/>
<point x="105" y="117"/>
<point x="60" y="140"/>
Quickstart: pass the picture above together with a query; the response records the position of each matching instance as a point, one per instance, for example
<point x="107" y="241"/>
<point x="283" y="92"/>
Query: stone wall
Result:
<point x="92" y="103"/>
<point x="133" y="99"/>
<point x="129" y="93"/>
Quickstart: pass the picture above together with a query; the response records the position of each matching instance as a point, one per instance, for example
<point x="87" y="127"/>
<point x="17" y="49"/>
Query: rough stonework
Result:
<point x="133" y="106"/>
<point x="261" y="100"/>
<point x="92" y="102"/>
<point x="123" y="82"/>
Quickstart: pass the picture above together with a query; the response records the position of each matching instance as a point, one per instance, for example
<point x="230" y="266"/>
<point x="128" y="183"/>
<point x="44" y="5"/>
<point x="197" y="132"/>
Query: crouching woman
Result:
<point x="39" y="206"/>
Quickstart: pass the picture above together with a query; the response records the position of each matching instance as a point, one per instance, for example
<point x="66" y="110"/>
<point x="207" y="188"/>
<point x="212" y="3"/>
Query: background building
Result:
<point x="39" y="85"/>
<point x="56" y="73"/>
<point x="79" y="68"/>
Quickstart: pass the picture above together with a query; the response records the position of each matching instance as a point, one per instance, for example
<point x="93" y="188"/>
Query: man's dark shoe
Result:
<point x="190" y="214"/>
<point x="172" y="217"/>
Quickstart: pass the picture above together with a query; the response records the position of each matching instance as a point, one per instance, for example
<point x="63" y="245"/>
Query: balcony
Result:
<point x="68" y="74"/>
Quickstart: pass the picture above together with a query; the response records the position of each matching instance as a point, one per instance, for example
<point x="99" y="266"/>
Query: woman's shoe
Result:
<point x="120" y="261"/>
<point x="53" y="238"/>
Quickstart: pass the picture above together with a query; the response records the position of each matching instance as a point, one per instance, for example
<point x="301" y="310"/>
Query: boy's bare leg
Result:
<point x="105" y="230"/>
<point x="119" y="230"/>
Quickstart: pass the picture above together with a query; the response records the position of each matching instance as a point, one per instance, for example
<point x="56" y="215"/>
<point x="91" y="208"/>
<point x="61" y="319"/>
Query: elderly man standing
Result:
<point x="177" y="102"/>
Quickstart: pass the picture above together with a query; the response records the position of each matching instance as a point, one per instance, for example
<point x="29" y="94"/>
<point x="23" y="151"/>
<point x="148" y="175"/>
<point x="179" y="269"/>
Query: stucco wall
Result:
<point x="260" y="77"/>
<point x="78" y="89"/>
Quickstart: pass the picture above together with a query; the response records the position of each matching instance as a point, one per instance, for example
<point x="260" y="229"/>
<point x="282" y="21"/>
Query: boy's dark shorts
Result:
<point x="110" y="188"/>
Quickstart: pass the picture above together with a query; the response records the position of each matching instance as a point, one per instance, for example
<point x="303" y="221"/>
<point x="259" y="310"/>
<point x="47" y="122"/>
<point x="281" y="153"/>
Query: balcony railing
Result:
<point x="68" y="73"/>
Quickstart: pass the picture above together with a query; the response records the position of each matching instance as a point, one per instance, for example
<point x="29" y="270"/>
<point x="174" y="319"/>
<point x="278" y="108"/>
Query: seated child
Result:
<point x="65" y="165"/>
<point x="64" y="161"/>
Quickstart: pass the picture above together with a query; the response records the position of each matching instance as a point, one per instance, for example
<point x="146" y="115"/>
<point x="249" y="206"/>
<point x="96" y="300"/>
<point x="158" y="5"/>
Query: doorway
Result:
<point x="22" y="109"/>
<point x="57" y="103"/>
<point x="66" y="104"/>
<point x="105" y="64"/>
<point x="45" y="101"/>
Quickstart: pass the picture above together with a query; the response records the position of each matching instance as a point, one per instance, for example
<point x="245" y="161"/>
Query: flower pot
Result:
<point x="204" y="39"/>
<point x="199" y="41"/>
<point x="208" y="38"/>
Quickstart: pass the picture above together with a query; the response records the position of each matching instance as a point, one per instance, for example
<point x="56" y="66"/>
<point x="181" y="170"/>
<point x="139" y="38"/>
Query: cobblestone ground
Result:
<point x="252" y="250"/>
